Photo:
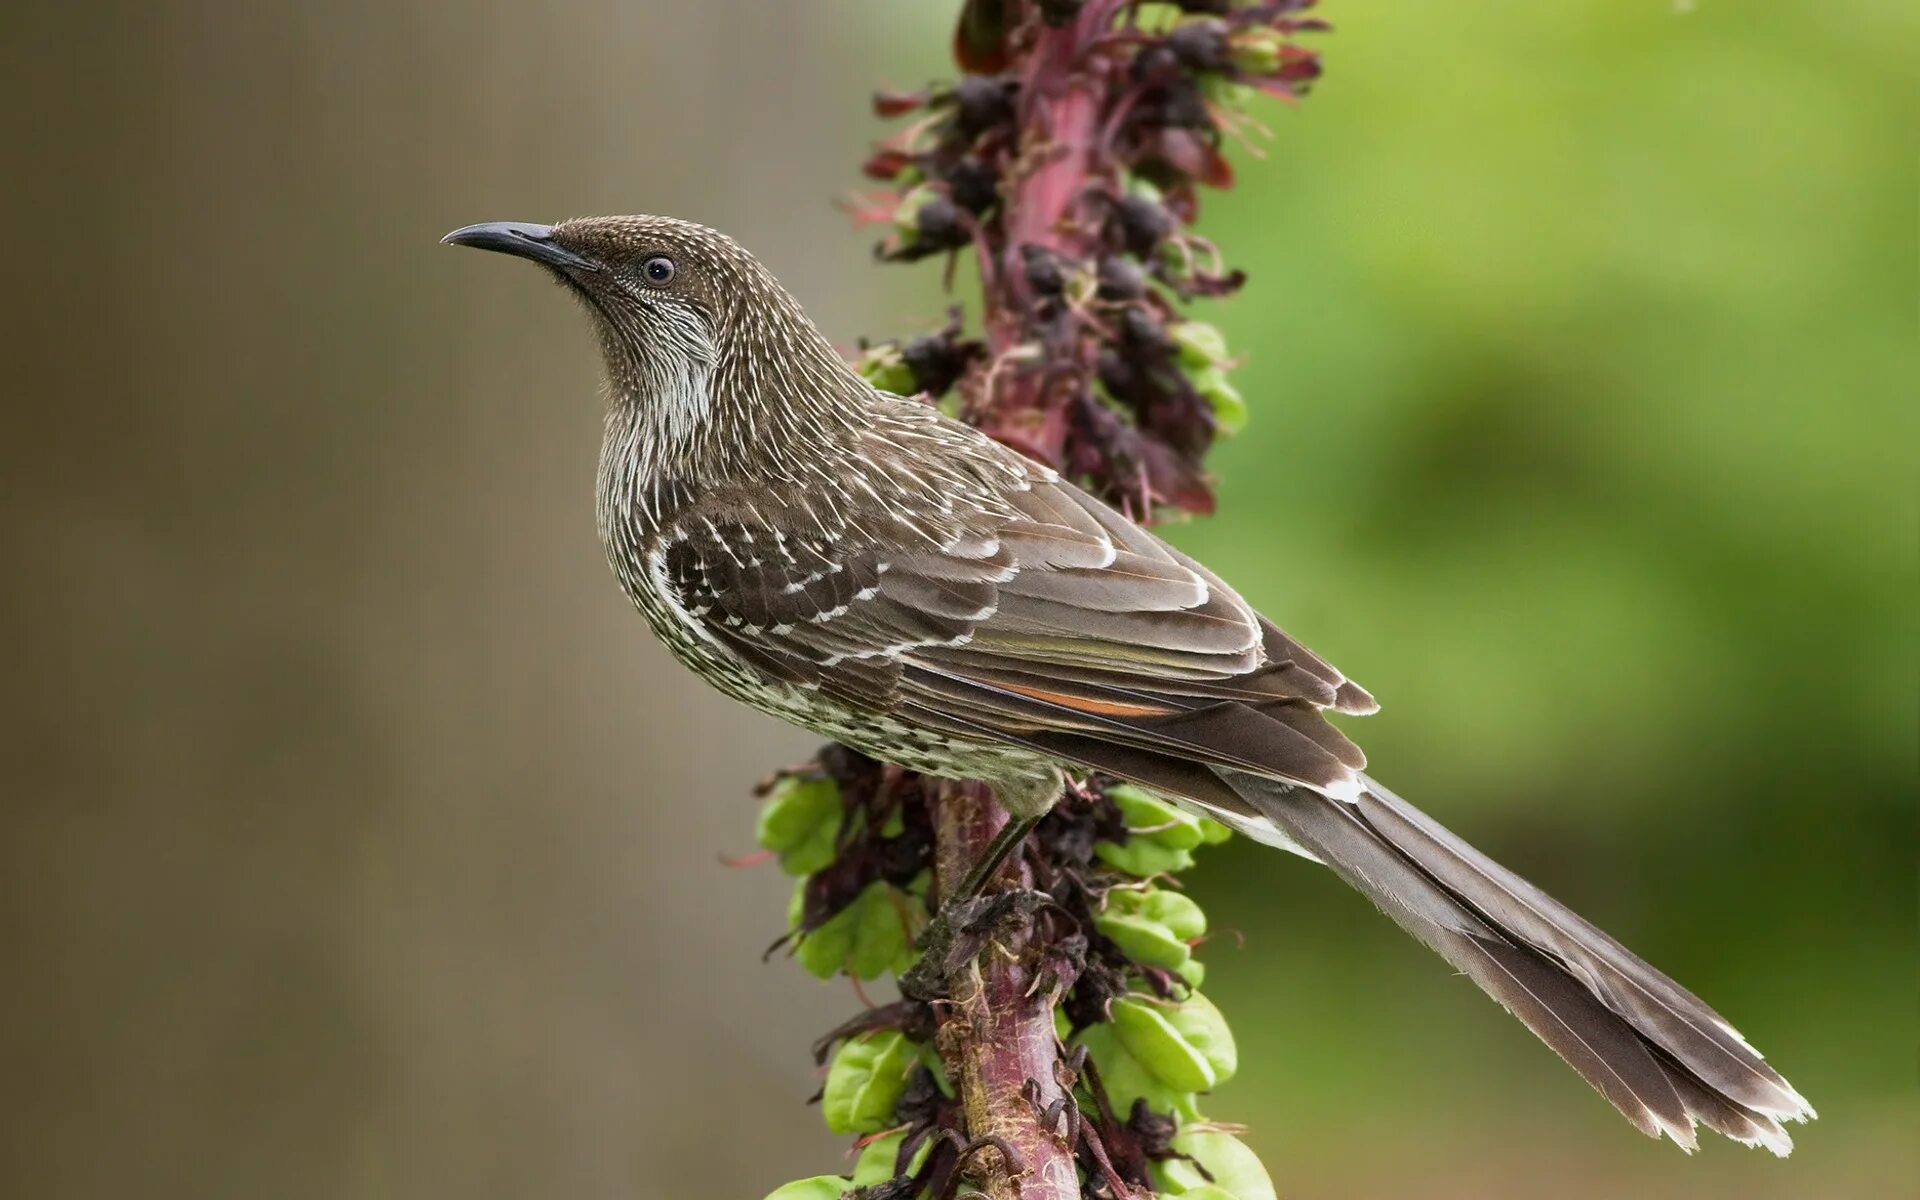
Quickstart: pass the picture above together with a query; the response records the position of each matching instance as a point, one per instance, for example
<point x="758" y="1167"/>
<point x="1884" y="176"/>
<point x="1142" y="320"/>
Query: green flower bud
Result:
<point x="1153" y="926"/>
<point x="1146" y="189"/>
<point x="1212" y="832"/>
<point x="884" y="368"/>
<point x="875" y="1164"/>
<point x="1193" y="971"/>
<point x="1150" y="816"/>
<point x="821" y="951"/>
<point x="1142" y="857"/>
<point x="1162" y="834"/>
<point x="1145" y="942"/>
<point x="1228" y="93"/>
<point x="1256" y="49"/>
<point x="1127" y="1079"/>
<point x="1229" y="406"/>
<point x="865" y="1081"/>
<point x="820" y="1187"/>
<point x="1173" y="910"/>
<point x="1198" y="344"/>
<point x="906" y="214"/>
<point x="1236" y="1170"/>
<point x="866" y="939"/>
<point x="881" y="935"/>
<point x="799" y="821"/>
<point x="1187" y="1045"/>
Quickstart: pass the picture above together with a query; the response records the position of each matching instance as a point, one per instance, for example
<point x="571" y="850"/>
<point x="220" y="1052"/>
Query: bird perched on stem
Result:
<point x="862" y="566"/>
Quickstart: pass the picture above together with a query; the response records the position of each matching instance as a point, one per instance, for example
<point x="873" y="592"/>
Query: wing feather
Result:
<point x="1047" y="617"/>
<point x="1130" y="583"/>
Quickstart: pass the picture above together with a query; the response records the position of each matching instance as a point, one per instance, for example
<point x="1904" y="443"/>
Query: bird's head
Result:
<point x="700" y="339"/>
<point x="666" y="294"/>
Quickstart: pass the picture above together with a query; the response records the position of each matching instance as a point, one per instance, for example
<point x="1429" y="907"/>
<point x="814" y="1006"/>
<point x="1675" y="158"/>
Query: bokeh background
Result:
<point x="358" y="842"/>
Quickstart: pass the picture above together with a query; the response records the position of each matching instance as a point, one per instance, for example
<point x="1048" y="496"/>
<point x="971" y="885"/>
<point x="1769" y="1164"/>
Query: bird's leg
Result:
<point x="959" y="911"/>
<point x="1002" y="846"/>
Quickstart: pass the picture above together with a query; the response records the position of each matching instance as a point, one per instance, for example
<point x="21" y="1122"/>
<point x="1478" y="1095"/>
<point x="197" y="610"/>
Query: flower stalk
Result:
<point x="996" y="1031"/>
<point x="1071" y="1054"/>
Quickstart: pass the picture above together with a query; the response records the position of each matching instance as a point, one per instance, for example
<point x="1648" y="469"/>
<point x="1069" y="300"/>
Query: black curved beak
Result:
<point x="522" y="240"/>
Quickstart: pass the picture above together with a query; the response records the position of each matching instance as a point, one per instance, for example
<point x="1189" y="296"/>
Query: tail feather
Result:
<point x="1658" y="1008"/>
<point x="1653" y="1049"/>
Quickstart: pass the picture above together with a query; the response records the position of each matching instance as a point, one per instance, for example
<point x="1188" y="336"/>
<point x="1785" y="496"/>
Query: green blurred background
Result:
<point x="358" y="842"/>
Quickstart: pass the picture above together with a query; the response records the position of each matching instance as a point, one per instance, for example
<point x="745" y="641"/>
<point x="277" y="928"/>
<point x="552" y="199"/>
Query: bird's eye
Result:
<point x="658" y="269"/>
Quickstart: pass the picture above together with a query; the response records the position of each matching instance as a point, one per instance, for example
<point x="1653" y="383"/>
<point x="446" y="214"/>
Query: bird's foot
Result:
<point x="961" y="931"/>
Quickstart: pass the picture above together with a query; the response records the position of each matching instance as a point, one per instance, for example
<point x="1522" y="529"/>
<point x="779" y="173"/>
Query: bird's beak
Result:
<point x="523" y="240"/>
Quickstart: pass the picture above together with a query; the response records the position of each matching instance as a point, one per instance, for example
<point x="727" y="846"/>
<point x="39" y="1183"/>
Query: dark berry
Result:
<point x="982" y="102"/>
<point x="1200" y="45"/>
<point x="1121" y="279"/>
<point x="1143" y="336"/>
<point x="1143" y="223"/>
<point x="1044" y="271"/>
<point x="974" y="183"/>
<point x="1155" y="64"/>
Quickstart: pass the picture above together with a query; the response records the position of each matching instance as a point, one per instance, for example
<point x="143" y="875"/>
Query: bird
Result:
<point x="863" y="566"/>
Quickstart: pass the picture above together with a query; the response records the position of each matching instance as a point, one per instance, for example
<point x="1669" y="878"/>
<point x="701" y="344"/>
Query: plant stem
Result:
<point x="1059" y="119"/>
<point x="996" y="1035"/>
<point x="1067" y="156"/>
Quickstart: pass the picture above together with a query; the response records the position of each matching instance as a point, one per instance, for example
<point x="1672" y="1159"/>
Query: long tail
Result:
<point x="1652" y="1048"/>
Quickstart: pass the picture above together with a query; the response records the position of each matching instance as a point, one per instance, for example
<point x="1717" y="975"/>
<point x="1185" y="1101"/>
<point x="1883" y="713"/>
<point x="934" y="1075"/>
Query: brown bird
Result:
<point x="860" y="565"/>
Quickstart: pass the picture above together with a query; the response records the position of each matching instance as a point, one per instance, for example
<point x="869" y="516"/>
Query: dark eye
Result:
<point x="658" y="269"/>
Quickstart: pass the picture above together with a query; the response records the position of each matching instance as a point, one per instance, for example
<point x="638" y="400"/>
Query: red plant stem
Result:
<point x="1059" y="120"/>
<point x="996" y="1035"/>
<point x="1059" y="116"/>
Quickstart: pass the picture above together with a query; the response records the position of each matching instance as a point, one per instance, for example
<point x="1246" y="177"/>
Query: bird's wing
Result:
<point x="1049" y="621"/>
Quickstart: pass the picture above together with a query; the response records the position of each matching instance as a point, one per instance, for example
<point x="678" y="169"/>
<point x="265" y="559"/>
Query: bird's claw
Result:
<point x="958" y="934"/>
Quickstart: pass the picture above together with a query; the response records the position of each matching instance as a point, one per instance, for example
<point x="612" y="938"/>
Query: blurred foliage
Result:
<point x="1581" y="367"/>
